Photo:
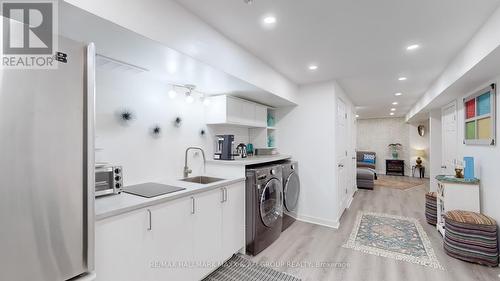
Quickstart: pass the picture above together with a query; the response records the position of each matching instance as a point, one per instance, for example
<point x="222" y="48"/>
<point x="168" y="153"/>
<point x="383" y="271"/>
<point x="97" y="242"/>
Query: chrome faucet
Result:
<point x="188" y="171"/>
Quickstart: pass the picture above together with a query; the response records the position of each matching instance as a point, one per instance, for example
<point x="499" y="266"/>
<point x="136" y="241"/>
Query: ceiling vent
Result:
<point x="108" y="63"/>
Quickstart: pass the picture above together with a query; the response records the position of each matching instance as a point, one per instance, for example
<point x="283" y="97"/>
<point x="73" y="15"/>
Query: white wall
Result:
<point x="143" y="157"/>
<point x="418" y="142"/>
<point x="376" y="134"/>
<point x="435" y="147"/>
<point x="486" y="160"/>
<point x="172" y="25"/>
<point x="307" y="132"/>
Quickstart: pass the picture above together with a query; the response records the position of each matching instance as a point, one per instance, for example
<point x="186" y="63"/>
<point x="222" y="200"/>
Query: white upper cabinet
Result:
<point x="235" y="111"/>
<point x="261" y="115"/>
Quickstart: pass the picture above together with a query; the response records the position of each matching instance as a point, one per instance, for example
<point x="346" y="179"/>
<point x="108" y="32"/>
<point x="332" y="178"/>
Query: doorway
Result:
<point x="450" y="138"/>
<point x="342" y="153"/>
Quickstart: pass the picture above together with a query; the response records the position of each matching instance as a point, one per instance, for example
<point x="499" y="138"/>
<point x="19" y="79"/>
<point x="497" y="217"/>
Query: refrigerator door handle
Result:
<point x="89" y="147"/>
<point x="150" y="220"/>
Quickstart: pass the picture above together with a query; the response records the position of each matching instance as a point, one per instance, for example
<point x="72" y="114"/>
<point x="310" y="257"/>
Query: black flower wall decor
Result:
<point x="177" y="121"/>
<point x="125" y="116"/>
<point x="156" y="131"/>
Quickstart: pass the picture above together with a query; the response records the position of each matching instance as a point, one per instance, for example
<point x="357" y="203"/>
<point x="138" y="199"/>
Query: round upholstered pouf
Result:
<point x="471" y="237"/>
<point x="431" y="208"/>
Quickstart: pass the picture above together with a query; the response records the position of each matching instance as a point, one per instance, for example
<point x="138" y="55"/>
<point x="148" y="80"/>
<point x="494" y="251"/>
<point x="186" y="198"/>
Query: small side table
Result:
<point x="455" y="194"/>
<point x="420" y="168"/>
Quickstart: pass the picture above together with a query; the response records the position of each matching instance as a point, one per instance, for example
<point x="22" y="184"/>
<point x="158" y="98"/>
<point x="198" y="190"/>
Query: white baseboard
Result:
<point x="350" y="201"/>
<point x="318" y="221"/>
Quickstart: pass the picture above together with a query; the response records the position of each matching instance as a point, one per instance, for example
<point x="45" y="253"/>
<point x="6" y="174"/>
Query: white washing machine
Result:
<point x="291" y="192"/>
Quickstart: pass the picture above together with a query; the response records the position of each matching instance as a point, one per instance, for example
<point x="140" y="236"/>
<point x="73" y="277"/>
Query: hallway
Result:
<point x="304" y="245"/>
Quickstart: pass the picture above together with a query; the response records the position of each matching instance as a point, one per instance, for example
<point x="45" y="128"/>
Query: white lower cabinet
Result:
<point x="170" y="248"/>
<point x="184" y="239"/>
<point x="233" y="220"/>
<point x="121" y="247"/>
<point x="207" y="232"/>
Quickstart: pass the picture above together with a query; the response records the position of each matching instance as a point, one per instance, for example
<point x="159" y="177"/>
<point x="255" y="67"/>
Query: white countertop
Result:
<point x="252" y="160"/>
<point x="113" y="205"/>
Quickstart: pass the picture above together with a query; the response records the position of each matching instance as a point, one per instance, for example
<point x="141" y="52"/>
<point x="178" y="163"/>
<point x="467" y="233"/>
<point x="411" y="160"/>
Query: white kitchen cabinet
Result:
<point x="207" y="232"/>
<point x="171" y="244"/>
<point x="260" y="115"/>
<point x="235" y="111"/>
<point x="233" y="220"/>
<point x="184" y="239"/>
<point x="120" y="244"/>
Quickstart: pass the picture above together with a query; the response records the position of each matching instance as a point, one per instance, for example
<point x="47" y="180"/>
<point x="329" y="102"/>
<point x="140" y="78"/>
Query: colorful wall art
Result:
<point x="480" y="116"/>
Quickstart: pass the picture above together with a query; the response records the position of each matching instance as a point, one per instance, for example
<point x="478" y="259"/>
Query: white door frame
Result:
<point x="444" y="165"/>
<point x="341" y="156"/>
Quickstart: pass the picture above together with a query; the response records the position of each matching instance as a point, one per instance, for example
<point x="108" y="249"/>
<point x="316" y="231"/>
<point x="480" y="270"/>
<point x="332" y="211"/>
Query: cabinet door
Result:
<point x="248" y="113"/>
<point x="120" y="247"/>
<point x="234" y="110"/>
<point x="207" y="232"/>
<point x="260" y="115"/>
<point x="233" y="220"/>
<point x="171" y="245"/>
<point x="216" y="112"/>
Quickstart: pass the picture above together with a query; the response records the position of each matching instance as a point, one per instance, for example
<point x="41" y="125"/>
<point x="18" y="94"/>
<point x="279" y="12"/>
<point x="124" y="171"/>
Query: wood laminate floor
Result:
<point x="303" y="245"/>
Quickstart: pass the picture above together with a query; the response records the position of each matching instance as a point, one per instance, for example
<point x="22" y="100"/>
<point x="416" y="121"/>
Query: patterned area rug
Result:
<point x="402" y="183"/>
<point x="393" y="237"/>
<point x="239" y="268"/>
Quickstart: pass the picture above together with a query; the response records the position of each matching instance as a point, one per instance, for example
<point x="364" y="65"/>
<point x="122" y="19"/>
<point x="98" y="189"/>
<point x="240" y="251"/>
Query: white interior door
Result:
<point x="341" y="150"/>
<point x="450" y="138"/>
<point x="352" y="149"/>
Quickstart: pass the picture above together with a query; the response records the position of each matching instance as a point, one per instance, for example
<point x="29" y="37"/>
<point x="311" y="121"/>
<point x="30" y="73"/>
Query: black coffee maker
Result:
<point x="224" y="147"/>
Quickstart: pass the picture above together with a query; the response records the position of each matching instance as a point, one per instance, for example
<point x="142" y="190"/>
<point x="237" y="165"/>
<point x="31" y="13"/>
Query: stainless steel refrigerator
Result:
<point x="47" y="168"/>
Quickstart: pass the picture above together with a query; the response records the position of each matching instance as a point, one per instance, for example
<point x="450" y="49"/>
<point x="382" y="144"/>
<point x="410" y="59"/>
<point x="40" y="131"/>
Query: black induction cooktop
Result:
<point x="151" y="189"/>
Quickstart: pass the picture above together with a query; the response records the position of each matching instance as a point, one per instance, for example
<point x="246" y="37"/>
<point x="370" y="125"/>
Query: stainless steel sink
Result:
<point x="202" y="180"/>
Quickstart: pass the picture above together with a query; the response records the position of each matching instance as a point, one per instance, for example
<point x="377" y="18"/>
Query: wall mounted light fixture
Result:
<point x="190" y="93"/>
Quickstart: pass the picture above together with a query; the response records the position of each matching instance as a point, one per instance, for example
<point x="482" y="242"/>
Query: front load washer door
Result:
<point x="292" y="191"/>
<point x="271" y="206"/>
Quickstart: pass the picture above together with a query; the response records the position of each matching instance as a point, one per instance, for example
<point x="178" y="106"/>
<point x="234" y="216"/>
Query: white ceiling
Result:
<point x="160" y="62"/>
<point x="361" y="43"/>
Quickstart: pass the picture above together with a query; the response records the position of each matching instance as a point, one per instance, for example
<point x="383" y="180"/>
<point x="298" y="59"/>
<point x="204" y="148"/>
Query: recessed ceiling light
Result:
<point x="313" y="67"/>
<point x="269" y="20"/>
<point x="392" y="113"/>
<point x="402" y="78"/>
<point x="357" y="116"/>
<point x="413" y="47"/>
<point x="395" y="103"/>
<point x="393" y="109"/>
<point x="398" y="94"/>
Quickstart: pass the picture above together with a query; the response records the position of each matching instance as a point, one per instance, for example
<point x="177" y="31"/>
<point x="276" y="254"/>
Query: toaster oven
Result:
<point x="108" y="180"/>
